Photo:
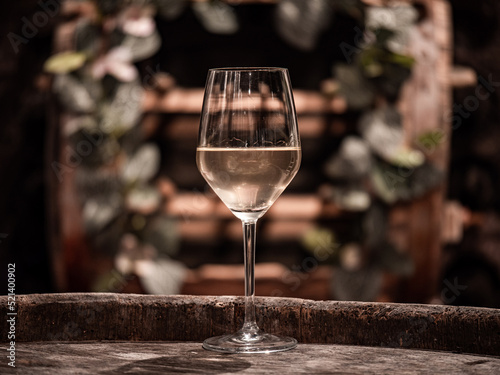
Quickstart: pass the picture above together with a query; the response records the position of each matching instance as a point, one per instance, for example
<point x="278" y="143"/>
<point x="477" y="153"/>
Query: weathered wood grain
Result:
<point x="166" y="358"/>
<point x="89" y="316"/>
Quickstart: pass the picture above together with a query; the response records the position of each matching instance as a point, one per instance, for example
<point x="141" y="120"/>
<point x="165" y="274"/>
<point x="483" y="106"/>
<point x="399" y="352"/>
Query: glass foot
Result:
<point x="244" y="342"/>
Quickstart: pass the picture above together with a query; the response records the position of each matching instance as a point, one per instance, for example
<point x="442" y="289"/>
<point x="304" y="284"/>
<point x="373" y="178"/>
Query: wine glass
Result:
<point x="248" y="152"/>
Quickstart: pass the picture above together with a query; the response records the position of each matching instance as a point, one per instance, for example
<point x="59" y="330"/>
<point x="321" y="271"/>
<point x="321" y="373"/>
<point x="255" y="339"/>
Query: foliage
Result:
<point x="99" y="87"/>
<point x="376" y="166"/>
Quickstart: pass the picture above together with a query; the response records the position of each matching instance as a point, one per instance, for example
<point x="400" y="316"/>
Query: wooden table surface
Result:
<point x="115" y="357"/>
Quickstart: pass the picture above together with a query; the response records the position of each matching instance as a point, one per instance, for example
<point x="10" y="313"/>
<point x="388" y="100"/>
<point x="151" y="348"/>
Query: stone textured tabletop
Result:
<point x="114" y="357"/>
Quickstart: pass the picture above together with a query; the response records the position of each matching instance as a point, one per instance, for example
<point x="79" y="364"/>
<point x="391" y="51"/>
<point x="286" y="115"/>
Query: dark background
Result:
<point x="475" y="159"/>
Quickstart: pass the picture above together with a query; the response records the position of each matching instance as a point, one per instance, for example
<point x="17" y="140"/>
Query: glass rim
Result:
<point x="248" y="69"/>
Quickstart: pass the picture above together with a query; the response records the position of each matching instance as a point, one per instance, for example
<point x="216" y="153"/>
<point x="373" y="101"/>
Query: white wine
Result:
<point x="248" y="180"/>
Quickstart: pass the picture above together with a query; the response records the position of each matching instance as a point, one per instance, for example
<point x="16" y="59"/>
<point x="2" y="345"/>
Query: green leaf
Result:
<point x="383" y="35"/>
<point x="143" y="199"/>
<point x="353" y="8"/>
<point x="216" y="17"/>
<point x="99" y="211"/>
<point x="162" y="276"/>
<point x="73" y="94"/>
<point x="301" y="23"/>
<point x="430" y="140"/>
<point x="93" y="183"/>
<point x="109" y="7"/>
<point x="374" y="69"/>
<point x="392" y="25"/>
<point x="381" y="55"/>
<point x="171" y="9"/>
<point x="361" y="285"/>
<point x="392" y="183"/>
<point x="374" y="226"/>
<point x="143" y="165"/>
<point x="424" y="178"/>
<point x="142" y="48"/>
<point x="354" y="87"/>
<point x="163" y="233"/>
<point x="65" y="62"/>
<point x="407" y="158"/>
<point x="394" y="261"/>
<point x="87" y="37"/>
<point x="390" y="82"/>
<point x="322" y="243"/>
<point x="399" y="59"/>
<point x="352" y="161"/>
<point x="382" y="130"/>
<point x="123" y="111"/>
<point x="387" y="184"/>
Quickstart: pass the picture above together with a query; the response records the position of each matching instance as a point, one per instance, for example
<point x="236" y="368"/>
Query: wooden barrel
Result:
<point x="115" y="333"/>
<point x="108" y="316"/>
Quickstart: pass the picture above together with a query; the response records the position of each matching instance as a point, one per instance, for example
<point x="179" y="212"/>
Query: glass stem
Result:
<point x="250" y="325"/>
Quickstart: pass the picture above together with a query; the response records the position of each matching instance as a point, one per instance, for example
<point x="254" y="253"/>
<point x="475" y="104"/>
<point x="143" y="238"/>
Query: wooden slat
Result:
<point x="185" y="126"/>
<point x="287" y="207"/>
<point x="462" y="76"/>
<point x="205" y="219"/>
<point x="183" y="100"/>
<point x="271" y="279"/>
<point x="209" y="230"/>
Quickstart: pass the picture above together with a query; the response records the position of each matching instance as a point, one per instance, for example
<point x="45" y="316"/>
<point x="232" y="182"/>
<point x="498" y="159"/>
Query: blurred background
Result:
<point x="396" y="199"/>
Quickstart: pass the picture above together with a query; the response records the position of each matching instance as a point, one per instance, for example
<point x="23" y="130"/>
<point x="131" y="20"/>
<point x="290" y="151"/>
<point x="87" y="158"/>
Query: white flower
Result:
<point x="137" y="21"/>
<point x="117" y="62"/>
